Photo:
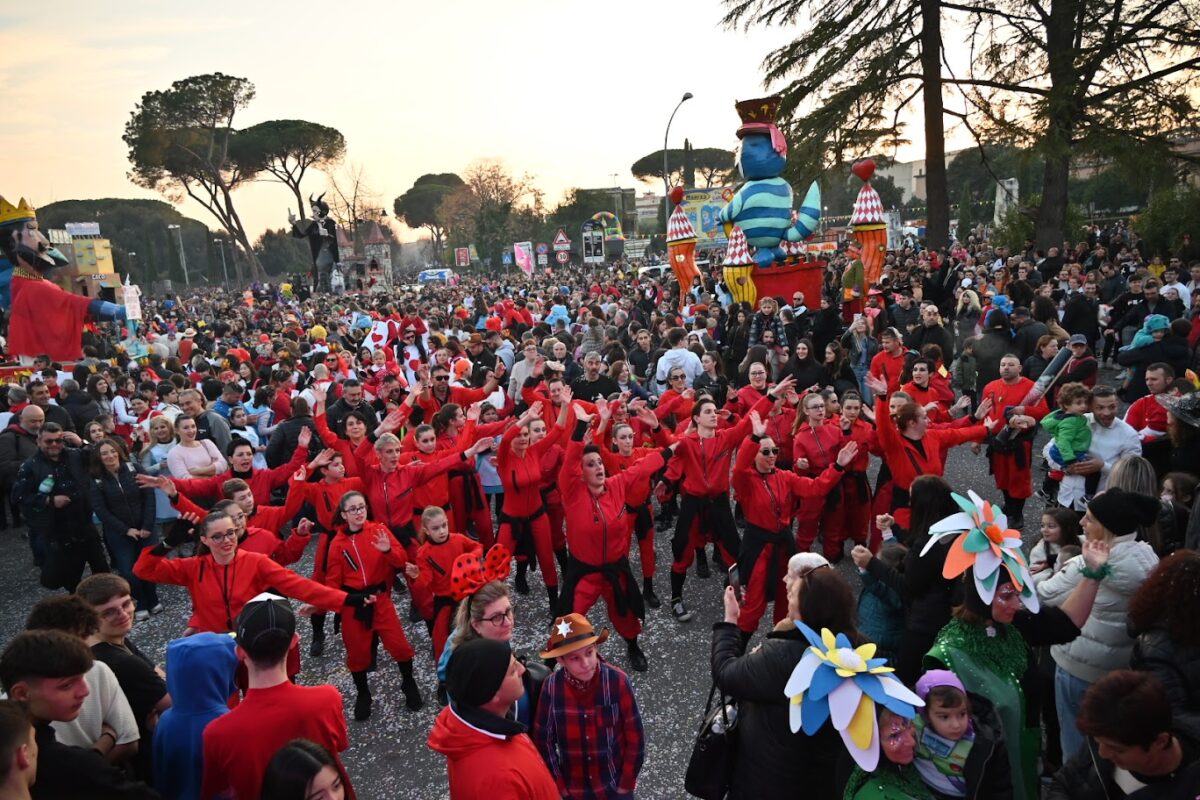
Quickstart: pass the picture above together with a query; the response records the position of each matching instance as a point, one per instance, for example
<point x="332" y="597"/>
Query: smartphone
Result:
<point x="735" y="580"/>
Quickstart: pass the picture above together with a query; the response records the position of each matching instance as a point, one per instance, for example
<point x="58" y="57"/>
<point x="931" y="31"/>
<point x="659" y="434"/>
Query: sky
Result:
<point x="567" y="92"/>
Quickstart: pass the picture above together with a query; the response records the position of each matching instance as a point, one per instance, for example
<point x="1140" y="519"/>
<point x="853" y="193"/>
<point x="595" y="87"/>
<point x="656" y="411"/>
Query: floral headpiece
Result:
<point x="470" y="572"/>
<point x="842" y="683"/>
<point x="985" y="543"/>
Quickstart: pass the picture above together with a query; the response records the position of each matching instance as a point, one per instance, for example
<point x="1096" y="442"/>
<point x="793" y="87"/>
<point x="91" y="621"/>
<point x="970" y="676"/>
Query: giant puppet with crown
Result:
<point x="772" y="231"/>
<point x="43" y="318"/>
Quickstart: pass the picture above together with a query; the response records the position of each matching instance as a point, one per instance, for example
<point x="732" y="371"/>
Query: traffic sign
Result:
<point x="562" y="256"/>
<point x="543" y="259"/>
<point x="561" y="242"/>
<point x="542" y="248"/>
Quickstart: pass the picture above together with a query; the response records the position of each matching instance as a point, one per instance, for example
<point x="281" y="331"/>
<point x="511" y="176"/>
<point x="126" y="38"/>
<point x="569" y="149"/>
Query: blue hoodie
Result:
<point x="200" y="671"/>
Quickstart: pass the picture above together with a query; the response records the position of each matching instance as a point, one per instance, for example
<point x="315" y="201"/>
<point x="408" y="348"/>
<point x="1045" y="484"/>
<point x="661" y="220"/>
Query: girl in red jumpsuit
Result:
<point x="598" y="535"/>
<point x="638" y="511"/>
<point x="523" y="523"/>
<point x="767" y="496"/>
<point x="815" y="446"/>
<point x="469" y="511"/>
<point x="363" y="558"/>
<point x="702" y="462"/>
<point x="856" y="488"/>
<point x="435" y="558"/>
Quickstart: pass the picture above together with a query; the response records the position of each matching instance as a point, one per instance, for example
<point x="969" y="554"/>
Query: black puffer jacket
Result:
<point x="120" y="503"/>
<point x="771" y="761"/>
<point x="73" y="522"/>
<point x="987" y="770"/>
<point x="1087" y="776"/>
<point x="1176" y="665"/>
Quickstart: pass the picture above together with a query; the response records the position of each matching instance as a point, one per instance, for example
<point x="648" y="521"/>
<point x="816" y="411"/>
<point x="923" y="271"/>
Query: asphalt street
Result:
<point x="388" y="757"/>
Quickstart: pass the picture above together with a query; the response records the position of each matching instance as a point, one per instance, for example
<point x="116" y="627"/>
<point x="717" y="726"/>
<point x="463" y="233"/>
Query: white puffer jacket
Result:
<point x="1104" y="644"/>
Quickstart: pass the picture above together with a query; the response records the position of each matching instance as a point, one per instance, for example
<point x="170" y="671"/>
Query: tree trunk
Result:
<point x="937" y="198"/>
<point x="1051" y="223"/>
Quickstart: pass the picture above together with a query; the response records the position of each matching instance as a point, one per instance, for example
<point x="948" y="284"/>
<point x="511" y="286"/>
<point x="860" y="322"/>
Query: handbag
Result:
<point x="710" y="769"/>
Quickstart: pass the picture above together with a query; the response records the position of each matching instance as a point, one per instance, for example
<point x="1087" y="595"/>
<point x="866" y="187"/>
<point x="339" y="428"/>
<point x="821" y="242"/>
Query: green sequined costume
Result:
<point x="888" y="782"/>
<point x="993" y="666"/>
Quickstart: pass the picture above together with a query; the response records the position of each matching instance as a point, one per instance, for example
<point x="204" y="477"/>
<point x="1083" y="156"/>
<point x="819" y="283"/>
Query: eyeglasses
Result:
<point x="677" y="377"/>
<point x="220" y="537"/>
<point x="355" y="510"/>
<point x="500" y="618"/>
<point x="125" y="608"/>
<point x="768" y="451"/>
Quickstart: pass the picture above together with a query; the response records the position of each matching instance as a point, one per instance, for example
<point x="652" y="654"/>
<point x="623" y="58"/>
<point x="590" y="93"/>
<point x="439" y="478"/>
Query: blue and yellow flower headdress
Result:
<point x="838" y="682"/>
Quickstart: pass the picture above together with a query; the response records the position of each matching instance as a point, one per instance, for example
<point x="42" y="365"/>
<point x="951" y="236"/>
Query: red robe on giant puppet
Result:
<point x="43" y="319"/>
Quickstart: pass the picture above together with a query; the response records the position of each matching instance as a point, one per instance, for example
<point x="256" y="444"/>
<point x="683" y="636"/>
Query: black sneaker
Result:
<point x="652" y="600"/>
<point x="637" y="659"/>
<point x="317" y="647"/>
<point x="362" y="707"/>
<point x="520" y="583"/>
<point x="680" y="611"/>
<point x="702" y="570"/>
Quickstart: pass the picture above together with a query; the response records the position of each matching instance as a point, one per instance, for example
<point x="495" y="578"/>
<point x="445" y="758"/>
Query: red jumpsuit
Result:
<point x="767" y="501"/>
<point x="889" y="368"/>
<point x="342" y="446"/>
<point x="523" y="522"/>
<point x="1013" y="471"/>
<point x="908" y="459"/>
<point x="820" y="447"/>
<point x="469" y="508"/>
<point x="856" y="488"/>
<point x="356" y="565"/>
<point x="390" y="496"/>
<point x="598" y="540"/>
<point x="703" y="464"/>
<point x="933" y="393"/>
<point x="459" y="395"/>
<point x="324" y="497"/>
<point x="550" y="464"/>
<point x="436" y="562"/>
<point x="638" y="510"/>
<point x="261" y="481"/>
<point x="219" y="592"/>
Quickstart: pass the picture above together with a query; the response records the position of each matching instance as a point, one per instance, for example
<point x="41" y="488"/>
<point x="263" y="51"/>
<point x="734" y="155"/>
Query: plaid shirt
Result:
<point x="593" y="752"/>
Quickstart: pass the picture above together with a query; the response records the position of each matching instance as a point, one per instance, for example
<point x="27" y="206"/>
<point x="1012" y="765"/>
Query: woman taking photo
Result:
<point x="192" y="457"/>
<point x="126" y="513"/>
<point x="860" y="348"/>
<point x="772" y="762"/>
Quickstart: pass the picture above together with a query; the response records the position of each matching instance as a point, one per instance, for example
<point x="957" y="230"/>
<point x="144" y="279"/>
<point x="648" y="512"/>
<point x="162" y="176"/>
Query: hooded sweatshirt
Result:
<point x="491" y="757"/>
<point x="200" y="672"/>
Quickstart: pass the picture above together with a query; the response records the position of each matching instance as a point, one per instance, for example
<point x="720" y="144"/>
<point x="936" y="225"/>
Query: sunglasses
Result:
<point x="440" y="378"/>
<point x="768" y="451"/>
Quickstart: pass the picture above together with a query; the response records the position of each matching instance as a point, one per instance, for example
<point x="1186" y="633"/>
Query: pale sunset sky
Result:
<point x="568" y="92"/>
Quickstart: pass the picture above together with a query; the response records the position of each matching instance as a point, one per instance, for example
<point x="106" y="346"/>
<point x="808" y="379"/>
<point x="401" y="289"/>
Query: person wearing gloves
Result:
<point x="1104" y="644"/>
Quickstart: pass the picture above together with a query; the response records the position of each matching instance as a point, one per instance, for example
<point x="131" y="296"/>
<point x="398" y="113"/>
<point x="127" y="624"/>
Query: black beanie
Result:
<point x="1122" y="512"/>
<point x="476" y="670"/>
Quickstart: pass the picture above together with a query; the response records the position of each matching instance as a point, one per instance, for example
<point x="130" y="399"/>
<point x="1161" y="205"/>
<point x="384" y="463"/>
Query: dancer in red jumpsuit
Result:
<point x="767" y="496"/>
<point x="598" y="535"/>
<point x="390" y="492"/>
<point x="620" y="454"/>
<point x="435" y="559"/>
<point x="703" y="462"/>
<point x="856" y="488"/>
<point x="815" y="447"/>
<point x="363" y="559"/>
<point x="524" y="528"/>
<point x="469" y="509"/>
<point x="1012" y="463"/>
<point x="910" y="447"/>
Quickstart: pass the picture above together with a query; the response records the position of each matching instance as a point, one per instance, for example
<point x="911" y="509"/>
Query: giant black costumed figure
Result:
<point x="321" y="233"/>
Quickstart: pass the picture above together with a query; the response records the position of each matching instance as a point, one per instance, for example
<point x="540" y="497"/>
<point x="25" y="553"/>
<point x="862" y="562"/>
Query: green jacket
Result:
<point x="1071" y="433"/>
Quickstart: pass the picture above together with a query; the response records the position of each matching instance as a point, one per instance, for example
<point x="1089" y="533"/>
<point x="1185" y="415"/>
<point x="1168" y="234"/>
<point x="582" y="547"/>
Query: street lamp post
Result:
<point x="220" y="243"/>
<point x="182" y="258"/>
<point x="666" y="171"/>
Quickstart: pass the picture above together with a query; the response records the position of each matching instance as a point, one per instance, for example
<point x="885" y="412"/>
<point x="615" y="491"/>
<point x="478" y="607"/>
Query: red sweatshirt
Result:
<point x="889" y="368"/>
<point x="905" y="459"/>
